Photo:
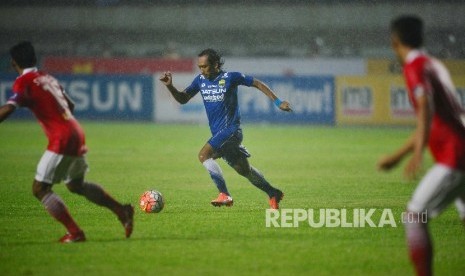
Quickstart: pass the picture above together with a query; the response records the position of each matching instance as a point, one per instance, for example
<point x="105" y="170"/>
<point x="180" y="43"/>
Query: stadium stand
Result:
<point x="178" y="28"/>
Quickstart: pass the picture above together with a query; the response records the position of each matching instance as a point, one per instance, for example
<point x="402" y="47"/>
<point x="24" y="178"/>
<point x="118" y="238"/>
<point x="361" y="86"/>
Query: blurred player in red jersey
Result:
<point x="64" y="158"/>
<point x="439" y="126"/>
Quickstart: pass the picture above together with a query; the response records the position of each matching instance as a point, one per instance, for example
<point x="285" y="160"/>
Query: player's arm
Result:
<point x="180" y="97"/>
<point x="283" y="105"/>
<point x="415" y="144"/>
<point x="6" y="110"/>
<point x="390" y="161"/>
<point x="420" y="136"/>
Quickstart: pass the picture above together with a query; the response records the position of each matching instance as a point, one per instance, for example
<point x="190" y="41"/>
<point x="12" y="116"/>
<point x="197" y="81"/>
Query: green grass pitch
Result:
<point x="317" y="167"/>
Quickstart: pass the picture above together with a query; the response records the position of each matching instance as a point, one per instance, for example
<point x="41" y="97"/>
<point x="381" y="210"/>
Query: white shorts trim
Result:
<point x="54" y="168"/>
<point x="439" y="187"/>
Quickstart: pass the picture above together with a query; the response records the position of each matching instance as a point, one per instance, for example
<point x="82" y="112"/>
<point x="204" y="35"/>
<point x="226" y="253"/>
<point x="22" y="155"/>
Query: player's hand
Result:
<point x="413" y="167"/>
<point x="388" y="162"/>
<point x="285" y="106"/>
<point x="166" y="78"/>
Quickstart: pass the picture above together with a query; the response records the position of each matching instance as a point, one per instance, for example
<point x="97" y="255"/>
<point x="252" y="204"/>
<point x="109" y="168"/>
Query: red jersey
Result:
<point x="427" y="76"/>
<point x="44" y="96"/>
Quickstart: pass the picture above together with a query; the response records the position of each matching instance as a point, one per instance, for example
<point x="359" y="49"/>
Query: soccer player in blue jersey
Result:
<point x="219" y="92"/>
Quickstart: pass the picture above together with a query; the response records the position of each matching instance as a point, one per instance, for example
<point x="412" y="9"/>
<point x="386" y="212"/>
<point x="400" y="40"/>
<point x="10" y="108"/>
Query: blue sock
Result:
<point x="259" y="181"/>
<point x="216" y="174"/>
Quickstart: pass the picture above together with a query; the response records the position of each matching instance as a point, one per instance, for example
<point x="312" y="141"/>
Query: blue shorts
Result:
<point x="227" y="144"/>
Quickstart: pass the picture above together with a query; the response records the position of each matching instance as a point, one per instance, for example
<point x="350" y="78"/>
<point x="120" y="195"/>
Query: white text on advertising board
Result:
<point x="400" y="104"/>
<point x="105" y="96"/>
<point x="303" y="100"/>
<point x="357" y="100"/>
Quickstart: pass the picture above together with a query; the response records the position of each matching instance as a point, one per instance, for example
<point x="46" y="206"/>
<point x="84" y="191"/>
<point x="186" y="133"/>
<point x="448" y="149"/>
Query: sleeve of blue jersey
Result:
<point x="194" y="88"/>
<point x="242" y="79"/>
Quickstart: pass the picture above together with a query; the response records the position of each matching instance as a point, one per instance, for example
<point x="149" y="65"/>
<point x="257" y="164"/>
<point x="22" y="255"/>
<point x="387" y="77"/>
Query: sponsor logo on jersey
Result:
<point x="214" y="98"/>
<point x="215" y="94"/>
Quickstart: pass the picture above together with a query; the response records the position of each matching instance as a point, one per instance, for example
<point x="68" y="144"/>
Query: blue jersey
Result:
<point x="220" y="98"/>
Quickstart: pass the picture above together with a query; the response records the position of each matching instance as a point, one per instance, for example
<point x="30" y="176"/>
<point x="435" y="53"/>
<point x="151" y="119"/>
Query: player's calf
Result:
<point x="419" y="243"/>
<point x="126" y="217"/>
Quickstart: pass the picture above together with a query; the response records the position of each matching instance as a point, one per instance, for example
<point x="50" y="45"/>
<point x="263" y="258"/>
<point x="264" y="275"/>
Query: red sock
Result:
<point x="420" y="247"/>
<point x="57" y="209"/>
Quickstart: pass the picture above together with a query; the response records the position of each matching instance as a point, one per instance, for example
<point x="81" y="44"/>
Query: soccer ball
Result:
<point x="151" y="202"/>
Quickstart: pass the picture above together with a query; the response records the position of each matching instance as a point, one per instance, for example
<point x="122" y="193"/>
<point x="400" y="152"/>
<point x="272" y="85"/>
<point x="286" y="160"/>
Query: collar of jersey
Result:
<point x="219" y="75"/>
<point x="28" y="70"/>
<point x="413" y="54"/>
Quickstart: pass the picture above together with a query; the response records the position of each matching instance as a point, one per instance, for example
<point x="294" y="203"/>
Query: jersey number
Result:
<point x="51" y="85"/>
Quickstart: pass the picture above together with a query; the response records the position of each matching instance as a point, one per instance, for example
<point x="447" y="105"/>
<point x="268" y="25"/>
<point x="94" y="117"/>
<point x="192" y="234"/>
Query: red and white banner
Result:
<point x="119" y="66"/>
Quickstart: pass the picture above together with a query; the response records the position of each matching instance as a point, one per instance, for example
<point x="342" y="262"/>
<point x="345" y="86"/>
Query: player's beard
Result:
<point x="212" y="74"/>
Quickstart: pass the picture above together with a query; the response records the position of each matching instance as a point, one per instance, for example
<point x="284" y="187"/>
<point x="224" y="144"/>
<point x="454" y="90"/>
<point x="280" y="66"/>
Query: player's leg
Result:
<point x="96" y="194"/>
<point x="50" y="169"/>
<point x="207" y="158"/>
<point x="419" y="243"/>
<point x="439" y="187"/>
<point x="237" y="156"/>
<point x="241" y="166"/>
<point x="460" y="205"/>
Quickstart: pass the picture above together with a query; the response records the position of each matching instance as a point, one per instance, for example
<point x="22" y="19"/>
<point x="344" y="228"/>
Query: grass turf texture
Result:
<point x="316" y="167"/>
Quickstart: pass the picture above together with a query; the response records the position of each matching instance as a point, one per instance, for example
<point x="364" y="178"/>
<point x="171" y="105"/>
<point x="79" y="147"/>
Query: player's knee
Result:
<point x="204" y="156"/>
<point x="76" y="187"/>
<point x="39" y="189"/>
<point x="201" y="157"/>
<point x="206" y="153"/>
